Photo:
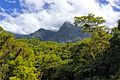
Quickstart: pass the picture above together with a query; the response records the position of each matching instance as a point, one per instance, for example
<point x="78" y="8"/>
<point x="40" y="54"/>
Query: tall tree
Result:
<point x="98" y="41"/>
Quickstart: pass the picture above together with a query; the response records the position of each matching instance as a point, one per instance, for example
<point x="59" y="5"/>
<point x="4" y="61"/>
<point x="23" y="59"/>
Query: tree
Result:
<point x="99" y="37"/>
<point x="98" y="41"/>
<point x="119" y="24"/>
<point x="89" y="22"/>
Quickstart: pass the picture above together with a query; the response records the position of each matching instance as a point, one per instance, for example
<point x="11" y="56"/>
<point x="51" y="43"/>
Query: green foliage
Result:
<point x="89" y="21"/>
<point x="94" y="58"/>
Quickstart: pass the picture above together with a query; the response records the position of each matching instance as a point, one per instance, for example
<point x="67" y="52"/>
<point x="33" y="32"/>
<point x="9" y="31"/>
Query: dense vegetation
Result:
<point x="94" y="58"/>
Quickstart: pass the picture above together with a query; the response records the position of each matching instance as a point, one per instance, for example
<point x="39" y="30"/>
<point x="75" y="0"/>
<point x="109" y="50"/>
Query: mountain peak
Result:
<point x="41" y="29"/>
<point x="67" y="24"/>
<point x="67" y="33"/>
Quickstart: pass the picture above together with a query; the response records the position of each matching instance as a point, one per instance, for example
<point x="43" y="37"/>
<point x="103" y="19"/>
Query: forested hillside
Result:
<point x="93" y="58"/>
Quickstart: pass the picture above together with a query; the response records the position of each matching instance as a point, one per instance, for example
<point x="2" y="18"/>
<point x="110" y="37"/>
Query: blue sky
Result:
<point x="27" y="16"/>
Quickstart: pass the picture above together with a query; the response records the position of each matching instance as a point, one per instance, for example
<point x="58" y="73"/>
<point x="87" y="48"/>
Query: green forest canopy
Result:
<point x="94" y="58"/>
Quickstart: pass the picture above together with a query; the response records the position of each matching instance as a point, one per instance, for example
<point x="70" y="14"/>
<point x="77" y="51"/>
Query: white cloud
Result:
<point x="37" y="4"/>
<point x="53" y="18"/>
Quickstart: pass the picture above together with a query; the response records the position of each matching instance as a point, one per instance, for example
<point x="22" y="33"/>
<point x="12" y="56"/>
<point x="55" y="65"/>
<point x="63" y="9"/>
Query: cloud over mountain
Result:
<point x="27" y="16"/>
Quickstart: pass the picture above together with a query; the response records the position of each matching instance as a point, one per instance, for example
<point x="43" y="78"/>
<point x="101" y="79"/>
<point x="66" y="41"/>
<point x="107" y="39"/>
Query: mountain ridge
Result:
<point x="67" y="33"/>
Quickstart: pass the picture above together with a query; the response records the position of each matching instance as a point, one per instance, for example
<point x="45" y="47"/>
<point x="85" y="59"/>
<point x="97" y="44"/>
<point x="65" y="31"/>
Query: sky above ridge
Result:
<point x="27" y="16"/>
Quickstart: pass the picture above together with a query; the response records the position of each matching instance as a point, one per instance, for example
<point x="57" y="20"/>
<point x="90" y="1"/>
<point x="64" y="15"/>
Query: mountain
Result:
<point x="43" y="34"/>
<point x="67" y="33"/>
